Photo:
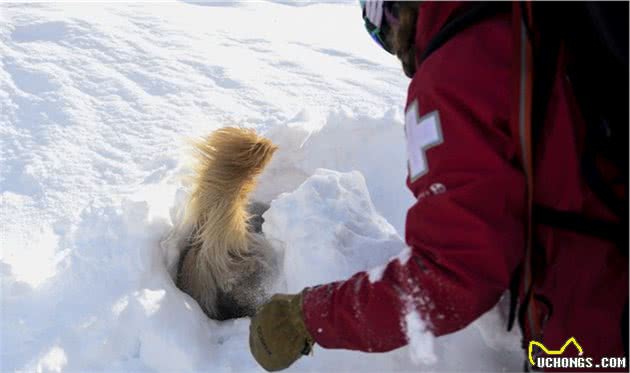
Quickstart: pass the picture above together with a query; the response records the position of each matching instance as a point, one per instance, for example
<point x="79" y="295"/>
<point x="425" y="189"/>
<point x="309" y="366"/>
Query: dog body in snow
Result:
<point x="228" y="265"/>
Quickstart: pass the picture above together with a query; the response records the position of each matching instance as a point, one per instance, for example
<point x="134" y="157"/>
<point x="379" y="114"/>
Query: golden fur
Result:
<point x="223" y="253"/>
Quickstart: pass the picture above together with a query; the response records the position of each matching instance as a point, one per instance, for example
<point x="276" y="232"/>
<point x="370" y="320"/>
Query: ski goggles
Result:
<point x="379" y="17"/>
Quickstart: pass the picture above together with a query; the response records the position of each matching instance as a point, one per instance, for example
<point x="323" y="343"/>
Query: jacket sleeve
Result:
<point x="465" y="232"/>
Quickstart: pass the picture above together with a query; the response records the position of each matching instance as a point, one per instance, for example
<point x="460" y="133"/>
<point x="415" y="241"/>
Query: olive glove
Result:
<point x="277" y="334"/>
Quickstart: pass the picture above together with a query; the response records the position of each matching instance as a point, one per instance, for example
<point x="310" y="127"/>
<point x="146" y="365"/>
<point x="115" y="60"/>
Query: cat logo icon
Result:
<point x="552" y="352"/>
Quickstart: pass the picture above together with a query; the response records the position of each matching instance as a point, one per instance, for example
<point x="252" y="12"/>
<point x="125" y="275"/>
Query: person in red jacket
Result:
<point x="468" y="231"/>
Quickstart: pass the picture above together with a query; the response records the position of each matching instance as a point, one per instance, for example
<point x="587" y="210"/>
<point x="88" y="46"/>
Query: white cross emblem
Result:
<point x="422" y="134"/>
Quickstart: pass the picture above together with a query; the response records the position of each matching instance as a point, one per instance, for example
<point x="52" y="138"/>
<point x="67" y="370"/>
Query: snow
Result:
<point x="420" y="340"/>
<point x="98" y="103"/>
<point x="375" y="273"/>
<point x="329" y="223"/>
<point x="344" y="141"/>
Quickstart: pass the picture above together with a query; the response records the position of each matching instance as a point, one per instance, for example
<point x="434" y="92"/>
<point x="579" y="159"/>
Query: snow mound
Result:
<point x="345" y="141"/>
<point x="329" y="230"/>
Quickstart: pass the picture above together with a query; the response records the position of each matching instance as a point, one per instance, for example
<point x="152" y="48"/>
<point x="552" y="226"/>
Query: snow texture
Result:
<point x="420" y="340"/>
<point x="98" y="102"/>
<point x="329" y="223"/>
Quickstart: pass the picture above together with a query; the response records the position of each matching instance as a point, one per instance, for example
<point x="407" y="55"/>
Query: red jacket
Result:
<point x="466" y="230"/>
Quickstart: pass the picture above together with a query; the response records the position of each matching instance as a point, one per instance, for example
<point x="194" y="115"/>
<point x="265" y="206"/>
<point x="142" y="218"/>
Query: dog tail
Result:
<point x="228" y="161"/>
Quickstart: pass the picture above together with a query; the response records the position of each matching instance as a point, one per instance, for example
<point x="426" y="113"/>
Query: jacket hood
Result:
<point x="432" y="16"/>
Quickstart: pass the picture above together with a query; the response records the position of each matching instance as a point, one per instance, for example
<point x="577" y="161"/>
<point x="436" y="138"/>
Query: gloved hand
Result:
<point x="277" y="334"/>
